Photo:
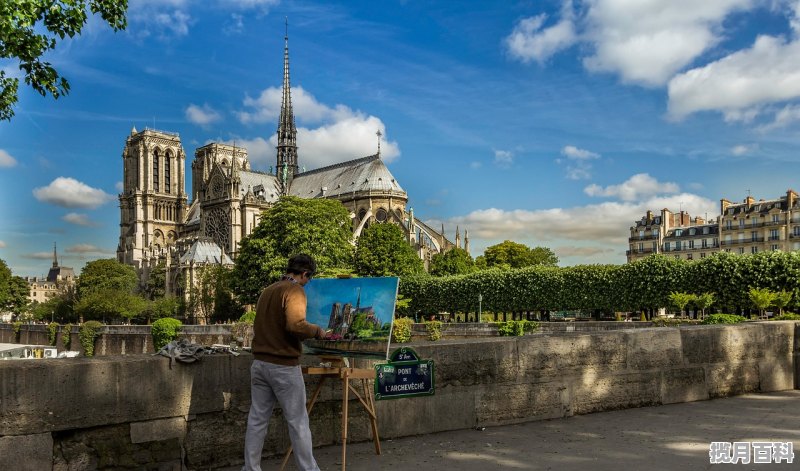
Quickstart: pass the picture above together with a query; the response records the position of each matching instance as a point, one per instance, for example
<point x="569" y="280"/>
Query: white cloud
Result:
<point x="783" y="118"/>
<point x="475" y="164"/>
<point x="248" y="4"/>
<point x="574" y="153"/>
<point x="119" y="186"/>
<point x="530" y="41"/>
<point x="165" y="18"/>
<point x="743" y="149"/>
<point x="599" y="232"/>
<point x="342" y="134"/>
<point x="70" y="193"/>
<point x="635" y="188"/>
<point x="739" y="83"/>
<point x="39" y="255"/>
<point x="79" y="219"/>
<point x="6" y="160"/>
<point x="503" y="158"/>
<point x="202" y="115"/>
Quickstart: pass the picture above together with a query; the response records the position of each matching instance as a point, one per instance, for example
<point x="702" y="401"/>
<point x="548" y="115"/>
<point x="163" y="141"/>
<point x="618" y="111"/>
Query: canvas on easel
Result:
<point x="358" y="312"/>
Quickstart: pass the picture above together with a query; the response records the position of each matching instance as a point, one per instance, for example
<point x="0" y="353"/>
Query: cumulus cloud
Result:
<point x="645" y="42"/>
<point x="164" y="18"/>
<point x="70" y="193"/>
<point x="743" y="149"/>
<point x="503" y="158"/>
<point x="531" y="41"/>
<point x="39" y="255"/>
<point x="202" y="115"/>
<point x="578" y="166"/>
<point x="79" y="220"/>
<point x="635" y="188"/>
<point x="784" y="117"/>
<point x="341" y="133"/>
<point x="738" y="84"/>
<point x="6" y="160"/>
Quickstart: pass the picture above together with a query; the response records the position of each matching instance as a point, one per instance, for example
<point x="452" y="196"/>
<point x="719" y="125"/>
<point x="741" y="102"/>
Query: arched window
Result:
<point x="155" y="170"/>
<point x="381" y="215"/>
<point x="361" y="213"/>
<point x="167" y="161"/>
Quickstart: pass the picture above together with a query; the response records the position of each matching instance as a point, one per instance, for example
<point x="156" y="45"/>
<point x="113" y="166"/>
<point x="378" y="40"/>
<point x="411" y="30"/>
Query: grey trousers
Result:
<point x="270" y="382"/>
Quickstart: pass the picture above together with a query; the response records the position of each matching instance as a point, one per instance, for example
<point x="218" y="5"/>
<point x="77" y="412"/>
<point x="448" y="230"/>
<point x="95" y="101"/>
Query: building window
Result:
<point x="776" y="218"/>
<point x="773" y="234"/>
<point x="381" y="215"/>
<point x="166" y="173"/>
<point x="677" y="245"/>
<point x="754" y="236"/>
<point x="774" y="247"/>
<point x="155" y="170"/>
<point x="641" y="247"/>
<point x="702" y="255"/>
<point x="641" y="234"/>
<point x="692" y="231"/>
<point x="655" y="232"/>
<point x="666" y="247"/>
<point x="728" y="224"/>
<point x="741" y="222"/>
<point x="705" y="230"/>
<point x="741" y="250"/>
<point x="796" y="230"/>
<point x="678" y="232"/>
<point x="704" y="243"/>
<point x="754" y="221"/>
<point x="688" y="256"/>
<point x="691" y="244"/>
<point x="753" y="249"/>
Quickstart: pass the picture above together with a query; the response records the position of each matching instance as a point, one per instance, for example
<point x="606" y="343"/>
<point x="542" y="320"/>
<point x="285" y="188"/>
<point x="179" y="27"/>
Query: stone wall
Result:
<point x="125" y="412"/>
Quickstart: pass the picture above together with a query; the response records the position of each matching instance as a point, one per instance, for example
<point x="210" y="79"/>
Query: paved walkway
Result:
<point x="671" y="437"/>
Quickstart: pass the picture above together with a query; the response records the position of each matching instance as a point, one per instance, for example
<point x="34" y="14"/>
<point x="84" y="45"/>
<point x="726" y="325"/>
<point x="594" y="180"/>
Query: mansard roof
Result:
<point x="205" y="251"/>
<point x="364" y="174"/>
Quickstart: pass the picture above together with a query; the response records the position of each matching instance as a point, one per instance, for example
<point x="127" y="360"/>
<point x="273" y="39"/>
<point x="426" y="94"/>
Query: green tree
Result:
<point x="703" y="302"/>
<point x="382" y="250"/>
<point x="159" y="308"/>
<point x="509" y="254"/>
<point x="31" y="28"/>
<point x="455" y="261"/>
<point x="156" y="285"/>
<point x="17" y="299"/>
<point x="110" y="305"/>
<point x="782" y="298"/>
<point x="106" y="275"/>
<point x="762" y="298"/>
<point x="5" y="279"/>
<point x="680" y="300"/>
<point x="318" y="227"/>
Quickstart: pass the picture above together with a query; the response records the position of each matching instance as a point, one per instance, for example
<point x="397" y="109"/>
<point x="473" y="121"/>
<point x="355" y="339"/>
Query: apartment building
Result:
<point x="747" y="227"/>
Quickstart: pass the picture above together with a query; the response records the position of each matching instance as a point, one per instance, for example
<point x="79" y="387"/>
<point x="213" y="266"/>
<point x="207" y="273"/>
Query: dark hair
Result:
<point x="302" y="263"/>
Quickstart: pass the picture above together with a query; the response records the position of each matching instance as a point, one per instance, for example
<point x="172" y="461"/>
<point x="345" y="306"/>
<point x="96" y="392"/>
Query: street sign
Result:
<point x="404" y="376"/>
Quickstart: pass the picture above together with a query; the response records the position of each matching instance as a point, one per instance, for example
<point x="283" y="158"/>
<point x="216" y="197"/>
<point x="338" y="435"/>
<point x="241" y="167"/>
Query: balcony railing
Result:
<point x="743" y="241"/>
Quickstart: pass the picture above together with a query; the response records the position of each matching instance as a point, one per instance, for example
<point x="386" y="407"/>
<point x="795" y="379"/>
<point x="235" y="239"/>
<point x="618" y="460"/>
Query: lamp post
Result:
<point x="480" y="301"/>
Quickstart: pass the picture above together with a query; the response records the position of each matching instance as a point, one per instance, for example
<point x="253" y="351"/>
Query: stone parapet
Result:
<point x="118" y="411"/>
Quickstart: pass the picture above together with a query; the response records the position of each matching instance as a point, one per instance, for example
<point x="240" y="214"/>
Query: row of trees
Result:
<point x="645" y="285"/>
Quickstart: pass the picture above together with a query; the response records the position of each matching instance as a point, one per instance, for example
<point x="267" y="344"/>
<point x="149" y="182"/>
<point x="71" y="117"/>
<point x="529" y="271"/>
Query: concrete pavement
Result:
<point x="670" y="437"/>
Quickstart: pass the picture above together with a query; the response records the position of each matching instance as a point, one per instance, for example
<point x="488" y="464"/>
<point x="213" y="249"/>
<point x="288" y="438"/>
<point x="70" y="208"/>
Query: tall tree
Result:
<point x="156" y="285"/>
<point x="30" y="28"/>
<point x="318" y="227"/>
<point x="5" y="279"/>
<point x="509" y="254"/>
<point x="453" y="262"/>
<point x="18" y="289"/>
<point x="106" y="274"/>
<point x="382" y="250"/>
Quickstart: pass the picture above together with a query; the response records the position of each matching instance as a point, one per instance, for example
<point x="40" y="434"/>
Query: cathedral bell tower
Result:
<point x="153" y="200"/>
<point x="287" y="132"/>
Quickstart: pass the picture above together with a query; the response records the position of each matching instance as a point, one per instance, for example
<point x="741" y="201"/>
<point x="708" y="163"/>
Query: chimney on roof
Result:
<point x="749" y="201"/>
<point x="791" y="196"/>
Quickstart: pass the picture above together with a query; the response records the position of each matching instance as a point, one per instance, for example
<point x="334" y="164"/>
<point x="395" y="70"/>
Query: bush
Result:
<point x="672" y="322"/>
<point x="164" y="331"/>
<point x="434" y="329"/>
<point x="52" y="333"/>
<point x="66" y="336"/>
<point x="17" y="325"/>
<point x="787" y="317"/>
<point x="401" y="330"/>
<point x="249" y="317"/>
<point x="643" y="317"/>
<point x="88" y="334"/>
<point x="723" y="319"/>
<point x="516" y="328"/>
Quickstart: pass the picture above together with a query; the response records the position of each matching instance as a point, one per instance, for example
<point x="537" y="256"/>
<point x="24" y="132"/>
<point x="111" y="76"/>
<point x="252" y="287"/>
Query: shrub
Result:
<point x="401" y="330"/>
<point x="643" y="317"/>
<point x="88" y="334"/>
<point x="789" y="316"/>
<point x="66" y="336"/>
<point x="249" y="317"/>
<point x="434" y="329"/>
<point x="723" y="319"/>
<point x="618" y="317"/>
<point x="672" y="322"/>
<point x="516" y="328"/>
<point x="17" y="325"/>
<point x="164" y="331"/>
<point x="52" y="333"/>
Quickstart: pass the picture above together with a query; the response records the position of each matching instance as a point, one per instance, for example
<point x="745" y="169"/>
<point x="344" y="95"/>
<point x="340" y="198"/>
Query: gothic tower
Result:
<point x="153" y="200"/>
<point x="287" y="133"/>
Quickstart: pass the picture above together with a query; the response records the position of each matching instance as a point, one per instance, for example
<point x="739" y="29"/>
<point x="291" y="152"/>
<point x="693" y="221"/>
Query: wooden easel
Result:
<point x="340" y="369"/>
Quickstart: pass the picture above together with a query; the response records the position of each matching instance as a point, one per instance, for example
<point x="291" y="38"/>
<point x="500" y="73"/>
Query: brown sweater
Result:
<point x="281" y="325"/>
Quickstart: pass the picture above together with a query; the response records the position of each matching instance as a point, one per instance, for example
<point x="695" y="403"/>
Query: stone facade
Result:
<point x="742" y="228"/>
<point x="58" y="280"/>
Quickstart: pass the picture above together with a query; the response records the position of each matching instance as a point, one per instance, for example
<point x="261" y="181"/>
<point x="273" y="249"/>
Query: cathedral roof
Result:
<point x="364" y="174"/>
<point x="256" y="182"/>
<point x="205" y="251"/>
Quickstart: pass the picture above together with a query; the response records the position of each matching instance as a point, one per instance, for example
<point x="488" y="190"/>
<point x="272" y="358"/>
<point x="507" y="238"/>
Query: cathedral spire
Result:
<point x="287" y="133"/>
<point x="55" y="256"/>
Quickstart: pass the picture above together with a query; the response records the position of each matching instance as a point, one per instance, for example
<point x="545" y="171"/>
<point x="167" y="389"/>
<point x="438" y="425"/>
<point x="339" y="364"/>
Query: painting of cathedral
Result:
<point x="161" y="223"/>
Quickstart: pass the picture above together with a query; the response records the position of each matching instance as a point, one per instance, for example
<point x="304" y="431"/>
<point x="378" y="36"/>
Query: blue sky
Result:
<point x="552" y="123"/>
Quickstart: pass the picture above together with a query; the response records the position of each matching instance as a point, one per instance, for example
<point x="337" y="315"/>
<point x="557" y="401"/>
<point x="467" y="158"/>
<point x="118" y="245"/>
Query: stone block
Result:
<point x="494" y="361"/>
<point x="776" y="374"/>
<point x="26" y="452"/>
<point x="594" y="392"/>
<point x="731" y="379"/>
<point x="548" y="357"/>
<point x="449" y="409"/>
<point x="683" y="385"/>
<point x="725" y="343"/>
<point x="523" y="403"/>
<point x="653" y="348"/>
<point x="159" y="429"/>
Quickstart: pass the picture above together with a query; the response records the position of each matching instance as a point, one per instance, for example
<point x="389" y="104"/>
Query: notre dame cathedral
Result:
<point x="158" y="224"/>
